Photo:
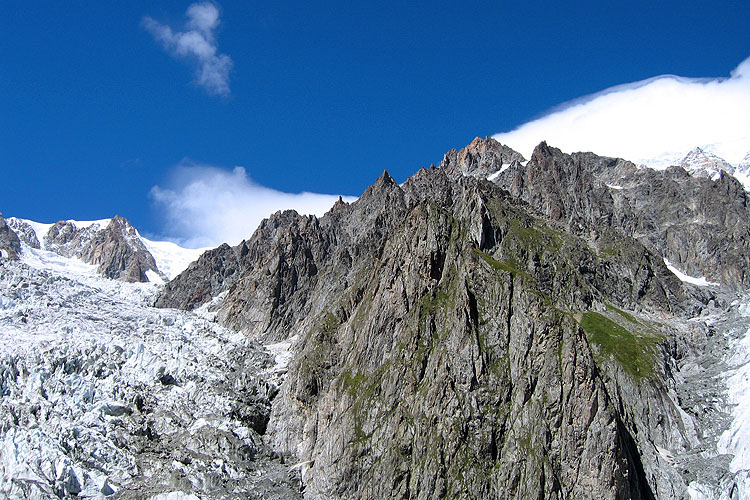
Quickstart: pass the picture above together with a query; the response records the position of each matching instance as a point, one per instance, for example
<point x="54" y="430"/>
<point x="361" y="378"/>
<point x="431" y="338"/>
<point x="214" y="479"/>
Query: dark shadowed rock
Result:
<point x="10" y="245"/>
<point x="213" y="272"/>
<point x="24" y="231"/>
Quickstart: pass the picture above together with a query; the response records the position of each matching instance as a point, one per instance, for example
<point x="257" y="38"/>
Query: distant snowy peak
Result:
<point x="113" y="245"/>
<point x="731" y="152"/>
<point x="744" y="166"/>
<point x="700" y="163"/>
<point x="707" y="161"/>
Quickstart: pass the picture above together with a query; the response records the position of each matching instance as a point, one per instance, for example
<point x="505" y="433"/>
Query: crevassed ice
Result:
<point x="76" y="353"/>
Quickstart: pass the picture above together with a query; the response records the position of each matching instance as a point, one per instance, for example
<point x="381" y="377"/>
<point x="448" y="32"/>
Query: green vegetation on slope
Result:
<point x="635" y="353"/>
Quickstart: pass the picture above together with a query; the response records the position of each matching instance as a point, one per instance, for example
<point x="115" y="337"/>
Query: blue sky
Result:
<point x="96" y="109"/>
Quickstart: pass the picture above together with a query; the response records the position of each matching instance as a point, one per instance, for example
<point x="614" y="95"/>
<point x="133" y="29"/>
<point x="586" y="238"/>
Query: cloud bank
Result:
<point x="654" y="122"/>
<point x="205" y="206"/>
<point x="197" y="44"/>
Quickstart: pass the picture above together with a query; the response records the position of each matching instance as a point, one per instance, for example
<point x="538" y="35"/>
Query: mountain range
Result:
<point x="562" y="326"/>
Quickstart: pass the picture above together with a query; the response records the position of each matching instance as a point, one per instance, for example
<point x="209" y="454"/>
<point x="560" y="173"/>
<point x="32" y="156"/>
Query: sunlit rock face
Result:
<point x="455" y="334"/>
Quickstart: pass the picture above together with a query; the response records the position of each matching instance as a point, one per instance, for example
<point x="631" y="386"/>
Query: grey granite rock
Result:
<point x="456" y="337"/>
<point x="700" y="225"/>
<point x="10" y="245"/>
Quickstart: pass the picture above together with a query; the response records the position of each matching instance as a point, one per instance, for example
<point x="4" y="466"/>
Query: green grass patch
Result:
<point x="635" y="353"/>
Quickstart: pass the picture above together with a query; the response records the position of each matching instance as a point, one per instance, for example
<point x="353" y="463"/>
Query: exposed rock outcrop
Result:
<point x="10" y="245"/>
<point x="25" y="232"/>
<point x="116" y="248"/>
<point x="517" y="337"/>
<point x="211" y="274"/>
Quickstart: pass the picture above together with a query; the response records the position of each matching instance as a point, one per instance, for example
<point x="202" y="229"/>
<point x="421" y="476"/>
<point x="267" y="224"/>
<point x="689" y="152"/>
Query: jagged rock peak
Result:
<point x="121" y="223"/>
<point x="119" y="252"/>
<point x="543" y="149"/>
<point x="481" y="158"/>
<point x="385" y="179"/>
<point x="384" y="183"/>
<point x="111" y="244"/>
<point x="10" y="245"/>
<point x="339" y="205"/>
<point x="588" y="192"/>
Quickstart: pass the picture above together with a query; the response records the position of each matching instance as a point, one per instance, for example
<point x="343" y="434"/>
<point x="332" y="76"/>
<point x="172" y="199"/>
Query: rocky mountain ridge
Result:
<point x="701" y="226"/>
<point x="428" y="315"/>
<point x="491" y="328"/>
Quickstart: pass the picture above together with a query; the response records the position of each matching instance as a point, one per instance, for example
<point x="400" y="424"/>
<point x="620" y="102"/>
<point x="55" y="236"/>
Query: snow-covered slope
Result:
<point x="100" y="393"/>
<point x="698" y="281"/>
<point x="170" y="258"/>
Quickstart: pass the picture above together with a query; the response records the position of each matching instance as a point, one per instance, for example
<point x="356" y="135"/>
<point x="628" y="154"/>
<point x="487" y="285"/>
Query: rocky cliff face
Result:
<point x="118" y="252"/>
<point x="492" y="328"/>
<point x="459" y="339"/>
<point x="10" y="245"/>
<point x="204" y="279"/>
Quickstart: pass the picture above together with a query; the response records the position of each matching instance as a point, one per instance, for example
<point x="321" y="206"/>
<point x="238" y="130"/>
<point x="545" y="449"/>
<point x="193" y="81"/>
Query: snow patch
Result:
<point x="83" y="224"/>
<point x="282" y="354"/>
<point x="39" y="228"/>
<point x="46" y="260"/>
<point x="174" y="495"/>
<point x="153" y="277"/>
<point x="503" y="168"/>
<point x="702" y="281"/>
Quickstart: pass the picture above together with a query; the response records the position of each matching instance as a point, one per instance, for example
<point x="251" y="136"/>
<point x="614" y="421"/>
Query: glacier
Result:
<point x="102" y="393"/>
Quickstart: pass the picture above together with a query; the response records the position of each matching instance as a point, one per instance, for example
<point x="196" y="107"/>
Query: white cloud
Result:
<point x="206" y="206"/>
<point x="197" y="44"/>
<point x="655" y="121"/>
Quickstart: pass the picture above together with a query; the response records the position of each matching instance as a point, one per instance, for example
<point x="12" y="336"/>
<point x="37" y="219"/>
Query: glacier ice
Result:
<point x="100" y="392"/>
